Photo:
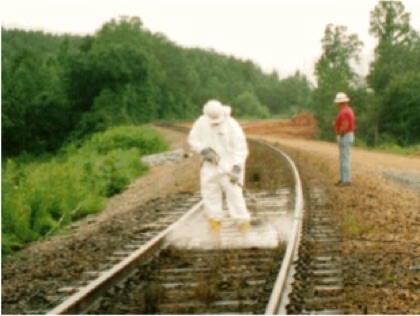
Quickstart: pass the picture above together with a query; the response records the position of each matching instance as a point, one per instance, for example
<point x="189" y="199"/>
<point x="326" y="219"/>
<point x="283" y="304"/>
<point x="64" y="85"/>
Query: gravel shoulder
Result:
<point x="380" y="223"/>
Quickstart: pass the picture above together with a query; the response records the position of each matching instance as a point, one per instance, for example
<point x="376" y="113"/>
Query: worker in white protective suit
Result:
<point x="222" y="144"/>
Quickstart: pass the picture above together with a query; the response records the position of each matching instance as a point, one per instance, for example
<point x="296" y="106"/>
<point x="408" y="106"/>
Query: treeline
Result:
<point x="387" y="101"/>
<point x="57" y="89"/>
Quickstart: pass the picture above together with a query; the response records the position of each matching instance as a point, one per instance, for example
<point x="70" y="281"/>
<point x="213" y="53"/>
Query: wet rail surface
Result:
<point x="193" y="276"/>
<point x="236" y="277"/>
<point x="229" y="275"/>
<point x="202" y="273"/>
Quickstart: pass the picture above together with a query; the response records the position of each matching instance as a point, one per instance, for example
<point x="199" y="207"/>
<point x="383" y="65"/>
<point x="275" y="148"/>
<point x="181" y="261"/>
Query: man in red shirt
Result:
<point x="344" y="126"/>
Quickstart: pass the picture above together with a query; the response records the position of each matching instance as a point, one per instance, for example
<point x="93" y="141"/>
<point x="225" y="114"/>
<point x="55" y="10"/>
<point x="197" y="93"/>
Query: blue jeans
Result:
<point x="344" y="144"/>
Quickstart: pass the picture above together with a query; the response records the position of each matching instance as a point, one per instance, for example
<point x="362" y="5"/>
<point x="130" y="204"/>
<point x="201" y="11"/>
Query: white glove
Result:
<point x="210" y="155"/>
<point x="234" y="174"/>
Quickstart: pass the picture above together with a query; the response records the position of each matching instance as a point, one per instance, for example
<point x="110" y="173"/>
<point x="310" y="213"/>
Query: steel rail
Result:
<point x="282" y="277"/>
<point x="275" y="301"/>
<point x="80" y="302"/>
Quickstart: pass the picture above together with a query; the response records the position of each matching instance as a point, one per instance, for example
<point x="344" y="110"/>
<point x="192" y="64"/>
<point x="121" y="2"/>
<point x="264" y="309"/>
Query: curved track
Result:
<point x="180" y="271"/>
<point x="160" y="258"/>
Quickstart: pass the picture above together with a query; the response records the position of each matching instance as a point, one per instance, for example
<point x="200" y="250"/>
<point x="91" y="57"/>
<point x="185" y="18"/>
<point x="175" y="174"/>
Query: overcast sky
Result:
<point x="277" y="35"/>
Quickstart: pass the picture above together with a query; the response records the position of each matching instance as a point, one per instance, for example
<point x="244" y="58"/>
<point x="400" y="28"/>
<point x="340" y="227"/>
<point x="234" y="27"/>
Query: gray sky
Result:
<point x="277" y="34"/>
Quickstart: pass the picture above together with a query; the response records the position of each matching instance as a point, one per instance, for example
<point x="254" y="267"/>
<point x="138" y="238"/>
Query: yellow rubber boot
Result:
<point x="214" y="225"/>
<point x="244" y="227"/>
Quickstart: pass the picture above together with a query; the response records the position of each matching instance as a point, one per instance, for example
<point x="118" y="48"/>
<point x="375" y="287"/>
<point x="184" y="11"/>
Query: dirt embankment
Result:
<point x="299" y="126"/>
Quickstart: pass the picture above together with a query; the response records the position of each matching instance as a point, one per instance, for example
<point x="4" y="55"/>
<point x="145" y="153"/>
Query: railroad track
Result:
<point x="289" y="261"/>
<point x="162" y="271"/>
<point x="217" y="277"/>
<point x="318" y="285"/>
<point x="127" y="236"/>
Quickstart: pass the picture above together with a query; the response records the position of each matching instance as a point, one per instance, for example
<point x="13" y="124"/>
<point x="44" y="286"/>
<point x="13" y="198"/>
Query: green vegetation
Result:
<point x="397" y="149"/>
<point x="351" y="226"/>
<point x="45" y="194"/>
<point x="65" y="87"/>
<point x="66" y="100"/>
<point x="387" y="101"/>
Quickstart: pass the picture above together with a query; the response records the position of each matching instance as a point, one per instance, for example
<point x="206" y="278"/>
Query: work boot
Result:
<point x="244" y="227"/>
<point x="214" y="225"/>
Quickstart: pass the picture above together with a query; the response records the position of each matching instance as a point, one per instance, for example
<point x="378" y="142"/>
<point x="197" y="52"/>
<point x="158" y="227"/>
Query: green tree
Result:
<point x="57" y="89"/>
<point x="401" y="116"/>
<point x="34" y="109"/>
<point x="397" y="60"/>
<point x="390" y="24"/>
<point x="112" y="79"/>
<point x="248" y="105"/>
<point x="334" y="73"/>
<point x="178" y="80"/>
<point x="287" y="96"/>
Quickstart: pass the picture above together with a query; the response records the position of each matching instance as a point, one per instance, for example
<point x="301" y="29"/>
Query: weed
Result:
<point x="206" y="291"/>
<point x="351" y="226"/>
<point x="153" y="296"/>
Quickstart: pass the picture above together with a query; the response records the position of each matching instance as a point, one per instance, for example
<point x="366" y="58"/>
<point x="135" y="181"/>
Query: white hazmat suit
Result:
<point x="217" y="130"/>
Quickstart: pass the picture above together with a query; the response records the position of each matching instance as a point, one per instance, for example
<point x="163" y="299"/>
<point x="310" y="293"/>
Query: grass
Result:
<point x="351" y="226"/>
<point x="44" y="195"/>
<point x="400" y="150"/>
<point x="391" y="148"/>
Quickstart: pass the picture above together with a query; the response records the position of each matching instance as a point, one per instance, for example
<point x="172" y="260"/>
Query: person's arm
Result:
<point x="194" y="138"/>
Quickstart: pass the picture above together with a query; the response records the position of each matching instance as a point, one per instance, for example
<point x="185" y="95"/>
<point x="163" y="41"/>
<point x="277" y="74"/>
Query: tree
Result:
<point x="334" y="73"/>
<point x="390" y="24"/>
<point x="56" y="89"/>
<point x="248" y="105"/>
<point x="394" y="71"/>
<point x="284" y="96"/>
<point x="334" y="68"/>
<point x="402" y="116"/>
<point x="33" y="109"/>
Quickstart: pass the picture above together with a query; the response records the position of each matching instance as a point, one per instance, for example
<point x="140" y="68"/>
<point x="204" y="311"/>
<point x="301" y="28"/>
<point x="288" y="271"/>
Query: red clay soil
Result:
<point x="299" y="126"/>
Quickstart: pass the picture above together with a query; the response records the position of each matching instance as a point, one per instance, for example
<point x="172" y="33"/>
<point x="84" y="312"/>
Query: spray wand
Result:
<point x="247" y="192"/>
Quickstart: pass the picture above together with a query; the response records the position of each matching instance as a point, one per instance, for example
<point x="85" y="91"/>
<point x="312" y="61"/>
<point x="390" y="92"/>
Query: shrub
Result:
<point x="41" y="196"/>
<point x="146" y="140"/>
